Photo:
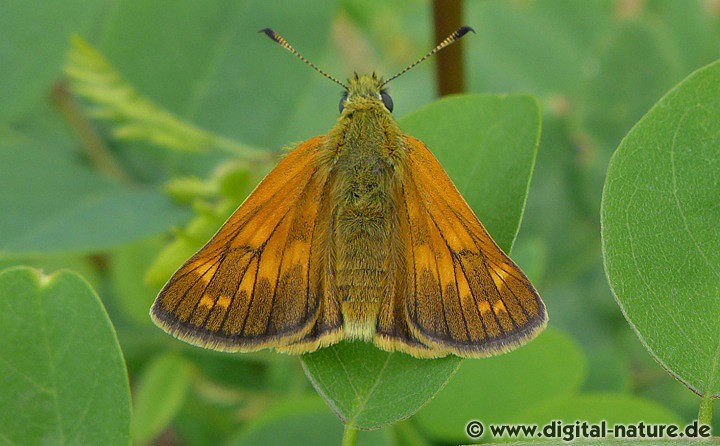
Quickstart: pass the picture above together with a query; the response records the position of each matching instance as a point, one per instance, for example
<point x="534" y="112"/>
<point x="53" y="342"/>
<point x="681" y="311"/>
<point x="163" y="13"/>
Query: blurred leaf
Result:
<point x="204" y="423"/>
<point x="608" y="370"/>
<point x="63" y="375"/>
<point x="515" y="50"/>
<point x="239" y="83"/>
<point x="31" y="52"/>
<point x="81" y="265"/>
<point x="187" y="189"/>
<point x="160" y="393"/>
<point x="127" y="268"/>
<point x="247" y="371"/>
<point x="98" y="222"/>
<point x="595" y="407"/>
<point x="583" y="305"/>
<point x="134" y="116"/>
<point x="614" y="442"/>
<point x="497" y="389"/>
<point x="487" y="144"/>
<point x="608" y="113"/>
<point x="659" y="216"/>
<point x="531" y="255"/>
<point x="302" y="421"/>
<point x="408" y="435"/>
<point x="65" y="207"/>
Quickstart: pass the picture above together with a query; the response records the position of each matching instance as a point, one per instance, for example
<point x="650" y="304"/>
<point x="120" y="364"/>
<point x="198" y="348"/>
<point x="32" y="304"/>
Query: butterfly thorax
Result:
<point x="364" y="142"/>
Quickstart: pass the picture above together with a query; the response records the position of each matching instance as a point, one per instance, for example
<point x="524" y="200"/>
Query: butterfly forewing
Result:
<point x="249" y="286"/>
<point x="327" y="328"/>
<point x="465" y="296"/>
<point x="392" y="331"/>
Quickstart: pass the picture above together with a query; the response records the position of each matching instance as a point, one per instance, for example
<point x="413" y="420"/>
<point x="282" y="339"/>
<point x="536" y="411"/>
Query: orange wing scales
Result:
<point x="243" y="289"/>
<point x="392" y="331"/>
<point x="234" y="317"/>
<point x="465" y="296"/>
<point x="327" y="327"/>
<point x="266" y="278"/>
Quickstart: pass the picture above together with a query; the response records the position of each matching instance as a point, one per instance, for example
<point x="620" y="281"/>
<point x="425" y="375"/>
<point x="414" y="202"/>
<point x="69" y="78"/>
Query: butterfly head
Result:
<point x="365" y="91"/>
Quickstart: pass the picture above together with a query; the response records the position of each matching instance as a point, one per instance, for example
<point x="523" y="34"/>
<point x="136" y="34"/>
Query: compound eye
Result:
<point x="342" y="102"/>
<point x="387" y="100"/>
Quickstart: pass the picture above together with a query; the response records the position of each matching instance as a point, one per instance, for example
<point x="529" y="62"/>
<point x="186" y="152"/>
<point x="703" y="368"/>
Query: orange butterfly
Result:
<point x="357" y="234"/>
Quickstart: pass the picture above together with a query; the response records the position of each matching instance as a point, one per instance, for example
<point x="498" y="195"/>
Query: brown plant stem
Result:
<point x="97" y="151"/>
<point x="450" y="67"/>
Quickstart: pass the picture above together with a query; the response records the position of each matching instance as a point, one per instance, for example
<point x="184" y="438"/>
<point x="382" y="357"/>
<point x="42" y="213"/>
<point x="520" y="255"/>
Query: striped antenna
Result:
<point x="284" y="43"/>
<point x="449" y="40"/>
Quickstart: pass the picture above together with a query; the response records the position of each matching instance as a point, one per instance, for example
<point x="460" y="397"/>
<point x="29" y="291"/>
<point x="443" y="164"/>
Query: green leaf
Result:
<point x="32" y="53"/>
<point x="498" y="389"/>
<point x="160" y="393"/>
<point x="136" y="117"/>
<point x="127" y="267"/>
<point x="488" y="145"/>
<point x="514" y="51"/>
<point x="239" y="84"/>
<point x="659" y="218"/>
<point x="301" y="421"/>
<point x="63" y="375"/>
<point x="595" y="407"/>
<point x="59" y="205"/>
<point x="369" y="388"/>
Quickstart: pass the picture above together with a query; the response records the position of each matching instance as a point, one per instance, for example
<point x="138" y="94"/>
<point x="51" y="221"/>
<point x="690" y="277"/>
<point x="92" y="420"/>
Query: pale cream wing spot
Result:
<point x="484" y="307"/>
<point x="207" y="301"/>
<point x="498" y="277"/>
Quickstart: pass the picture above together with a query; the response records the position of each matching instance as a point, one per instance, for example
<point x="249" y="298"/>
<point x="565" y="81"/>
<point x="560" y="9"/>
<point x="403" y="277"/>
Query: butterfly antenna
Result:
<point x="449" y="40"/>
<point x="280" y="40"/>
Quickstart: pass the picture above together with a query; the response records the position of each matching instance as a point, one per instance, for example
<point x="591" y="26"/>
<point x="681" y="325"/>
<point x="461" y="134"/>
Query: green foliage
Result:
<point x="214" y="200"/>
<point x="124" y="199"/>
<point x="161" y="391"/>
<point x="660" y="217"/>
<point x="209" y="65"/>
<point x="595" y="407"/>
<point x="66" y="207"/>
<point x="302" y="421"/>
<point x="128" y="263"/>
<point x="135" y="117"/>
<point x="30" y="29"/>
<point x="502" y="388"/>
<point x="63" y="375"/>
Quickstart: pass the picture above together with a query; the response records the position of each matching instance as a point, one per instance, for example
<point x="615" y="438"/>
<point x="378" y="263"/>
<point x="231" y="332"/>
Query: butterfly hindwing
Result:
<point x="250" y="286"/>
<point x="463" y="294"/>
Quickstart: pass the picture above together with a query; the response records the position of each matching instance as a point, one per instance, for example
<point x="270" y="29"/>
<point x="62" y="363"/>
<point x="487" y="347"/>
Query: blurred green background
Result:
<point x="74" y="195"/>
